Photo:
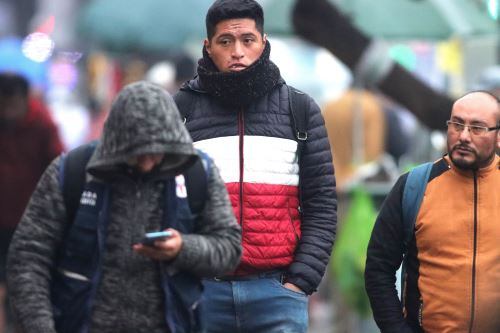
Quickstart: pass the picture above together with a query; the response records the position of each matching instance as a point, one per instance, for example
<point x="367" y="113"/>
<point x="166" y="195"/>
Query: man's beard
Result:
<point x="476" y="164"/>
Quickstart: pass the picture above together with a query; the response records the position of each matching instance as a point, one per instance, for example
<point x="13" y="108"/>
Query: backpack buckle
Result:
<point x="302" y="136"/>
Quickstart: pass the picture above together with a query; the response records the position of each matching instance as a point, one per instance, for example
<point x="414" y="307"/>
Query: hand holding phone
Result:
<point x="150" y="237"/>
<point x="162" y="250"/>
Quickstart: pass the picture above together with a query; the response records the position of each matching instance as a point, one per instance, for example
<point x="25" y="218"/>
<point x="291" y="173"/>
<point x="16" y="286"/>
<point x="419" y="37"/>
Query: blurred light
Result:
<point x="62" y="73"/>
<point x="13" y="59"/>
<point x="449" y="57"/>
<point x="71" y="57"/>
<point x="438" y="140"/>
<point x="332" y="73"/>
<point x="38" y="46"/>
<point x="493" y="8"/>
<point x="404" y="55"/>
<point x="281" y="56"/>
<point x="47" y="27"/>
<point x="421" y="47"/>
<point x="162" y="73"/>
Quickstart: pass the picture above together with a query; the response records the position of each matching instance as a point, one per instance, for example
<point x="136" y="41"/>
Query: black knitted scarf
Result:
<point x="239" y="89"/>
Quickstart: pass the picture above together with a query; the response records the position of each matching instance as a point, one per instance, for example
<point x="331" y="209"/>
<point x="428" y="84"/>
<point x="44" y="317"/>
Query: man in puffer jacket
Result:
<point x="92" y="273"/>
<point x="239" y="114"/>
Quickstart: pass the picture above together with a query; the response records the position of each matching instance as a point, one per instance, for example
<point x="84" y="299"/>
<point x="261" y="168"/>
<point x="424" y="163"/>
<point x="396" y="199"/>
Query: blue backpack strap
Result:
<point x="206" y="161"/>
<point x="72" y="176"/>
<point x="183" y="289"/>
<point x="77" y="271"/>
<point x="413" y="193"/>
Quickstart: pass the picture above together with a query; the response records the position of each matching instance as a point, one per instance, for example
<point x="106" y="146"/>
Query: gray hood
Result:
<point x="144" y="119"/>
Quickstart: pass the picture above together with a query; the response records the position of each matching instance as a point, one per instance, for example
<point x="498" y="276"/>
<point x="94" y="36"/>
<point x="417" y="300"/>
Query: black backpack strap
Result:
<point x="197" y="183"/>
<point x="73" y="176"/>
<point x="185" y="103"/>
<point x="299" y="111"/>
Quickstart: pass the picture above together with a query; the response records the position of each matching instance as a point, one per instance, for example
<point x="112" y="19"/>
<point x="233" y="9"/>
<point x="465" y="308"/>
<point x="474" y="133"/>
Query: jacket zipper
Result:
<point x="421" y="313"/>
<point x="291" y="220"/>
<point x="241" y="134"/>
<point x="473" y="293"/>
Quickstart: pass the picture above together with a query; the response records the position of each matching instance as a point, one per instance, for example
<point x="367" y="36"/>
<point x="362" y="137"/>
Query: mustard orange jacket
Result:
<point x="453" y="273"/>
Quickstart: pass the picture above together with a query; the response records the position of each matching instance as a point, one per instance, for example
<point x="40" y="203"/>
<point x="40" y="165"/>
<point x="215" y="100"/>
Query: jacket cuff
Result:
<point x="187" y="254"/>
<point x="301" y="283"/>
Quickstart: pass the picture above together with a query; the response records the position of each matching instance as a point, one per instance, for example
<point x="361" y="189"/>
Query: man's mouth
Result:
<point x="237" y="67"/>
<point x="463" y="149"/>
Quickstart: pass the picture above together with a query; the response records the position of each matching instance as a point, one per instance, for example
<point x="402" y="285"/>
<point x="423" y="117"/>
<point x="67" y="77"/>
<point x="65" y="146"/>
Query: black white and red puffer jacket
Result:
<point x="256" y="152"/>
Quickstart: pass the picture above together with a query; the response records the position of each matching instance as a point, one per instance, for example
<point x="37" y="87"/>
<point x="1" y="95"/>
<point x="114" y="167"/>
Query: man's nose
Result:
<point x="465" y="134"/>
<point x="146" y="163"/>
<point x="238" y="51"/>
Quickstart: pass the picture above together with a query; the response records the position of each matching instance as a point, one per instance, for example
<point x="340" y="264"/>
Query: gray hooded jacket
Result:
<point x="143" y="120"/>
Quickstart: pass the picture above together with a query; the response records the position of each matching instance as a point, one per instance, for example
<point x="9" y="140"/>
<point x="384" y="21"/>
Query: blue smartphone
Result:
<point x="150" y="238"/>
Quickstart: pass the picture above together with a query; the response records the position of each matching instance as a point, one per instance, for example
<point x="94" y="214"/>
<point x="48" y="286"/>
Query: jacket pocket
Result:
<point x="70" y="295"/>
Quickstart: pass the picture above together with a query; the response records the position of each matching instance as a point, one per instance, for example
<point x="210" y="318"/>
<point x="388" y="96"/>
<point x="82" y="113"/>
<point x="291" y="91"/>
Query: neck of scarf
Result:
<point x="239" y="89"/>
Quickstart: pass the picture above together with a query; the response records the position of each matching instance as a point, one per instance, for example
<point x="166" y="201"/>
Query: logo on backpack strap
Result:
<point x="88" y="198"/>
<point x="180" y="188"/>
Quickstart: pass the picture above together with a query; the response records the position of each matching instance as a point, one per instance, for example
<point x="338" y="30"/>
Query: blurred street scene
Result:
<point x="77" y="54"/>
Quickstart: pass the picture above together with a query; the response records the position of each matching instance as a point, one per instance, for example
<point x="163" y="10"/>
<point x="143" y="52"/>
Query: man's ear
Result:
<point x="206" y="43"/>
<point x="264" y="38"/>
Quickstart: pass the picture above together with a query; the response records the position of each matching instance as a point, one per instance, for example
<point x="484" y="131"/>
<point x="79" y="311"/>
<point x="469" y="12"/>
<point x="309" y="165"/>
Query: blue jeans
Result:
<point x="261" y="305"/>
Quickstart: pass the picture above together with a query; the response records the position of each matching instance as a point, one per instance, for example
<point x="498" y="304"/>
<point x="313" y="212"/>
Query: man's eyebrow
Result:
<point x="225" y="35"/>
<point x="229" y="35"/>
<point x="456" y="118"/>
<point x="476" y="122"/>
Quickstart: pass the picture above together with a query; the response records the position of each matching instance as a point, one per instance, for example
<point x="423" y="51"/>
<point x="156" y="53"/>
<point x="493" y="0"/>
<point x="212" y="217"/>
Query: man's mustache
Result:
<point x="467" y="148"/>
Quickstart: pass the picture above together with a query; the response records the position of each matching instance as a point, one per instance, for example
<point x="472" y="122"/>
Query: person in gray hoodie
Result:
<point x="121" y="285"/>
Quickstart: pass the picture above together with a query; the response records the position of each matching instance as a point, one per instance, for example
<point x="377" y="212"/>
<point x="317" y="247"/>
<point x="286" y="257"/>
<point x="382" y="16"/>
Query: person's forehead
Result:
<point x="235" y="25"/>
<point x="476" y="107"/>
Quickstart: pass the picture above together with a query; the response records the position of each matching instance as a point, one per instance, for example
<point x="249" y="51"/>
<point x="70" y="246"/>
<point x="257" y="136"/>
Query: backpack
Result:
<point x="73" y="174"/>
<point x="298" y="106"/>
<point x="79" y="255"/>
<point x="413" y="193"/>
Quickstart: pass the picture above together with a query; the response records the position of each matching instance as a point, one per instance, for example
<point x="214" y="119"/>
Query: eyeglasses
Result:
<point x="474" y="129"/>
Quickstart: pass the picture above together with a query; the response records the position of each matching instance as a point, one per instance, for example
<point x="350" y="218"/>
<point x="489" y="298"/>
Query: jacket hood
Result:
<point x="144" y="119"/>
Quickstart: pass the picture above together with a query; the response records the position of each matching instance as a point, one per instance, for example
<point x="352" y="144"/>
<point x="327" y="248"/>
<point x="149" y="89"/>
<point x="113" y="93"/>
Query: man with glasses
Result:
<point x="453" y="258"/>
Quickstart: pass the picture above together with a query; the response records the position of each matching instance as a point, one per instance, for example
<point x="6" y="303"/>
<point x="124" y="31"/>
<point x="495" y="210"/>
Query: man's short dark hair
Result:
<point x="233" y="9"/>
<point x="12" y="84"/>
